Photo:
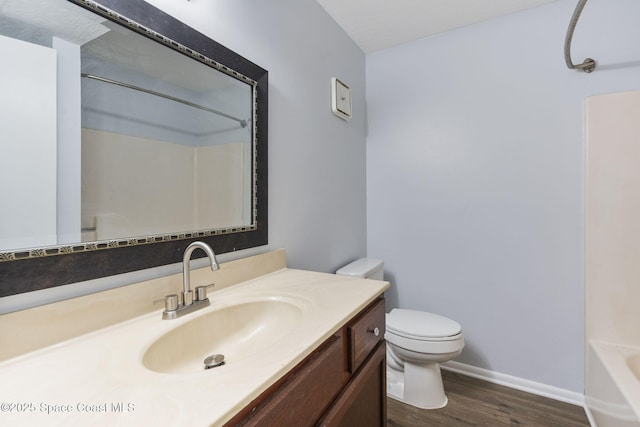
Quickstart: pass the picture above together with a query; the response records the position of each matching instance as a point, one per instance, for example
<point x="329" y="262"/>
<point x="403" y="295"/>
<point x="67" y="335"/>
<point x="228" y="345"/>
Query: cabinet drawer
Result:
<point x="365" y="333"/>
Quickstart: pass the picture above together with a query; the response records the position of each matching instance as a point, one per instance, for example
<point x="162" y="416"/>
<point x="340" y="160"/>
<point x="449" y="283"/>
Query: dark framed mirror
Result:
<point x="137" y="135"/>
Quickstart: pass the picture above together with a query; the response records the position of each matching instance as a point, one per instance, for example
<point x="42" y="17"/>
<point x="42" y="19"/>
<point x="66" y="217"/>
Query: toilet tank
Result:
<point x="368" y="268"/>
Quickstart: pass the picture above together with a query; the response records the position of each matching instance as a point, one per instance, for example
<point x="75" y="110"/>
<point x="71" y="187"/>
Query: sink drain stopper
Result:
<point x="214" y="361"/>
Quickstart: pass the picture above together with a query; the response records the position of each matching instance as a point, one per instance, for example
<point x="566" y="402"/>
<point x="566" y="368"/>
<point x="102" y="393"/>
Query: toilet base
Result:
<point x="418" y="385"/>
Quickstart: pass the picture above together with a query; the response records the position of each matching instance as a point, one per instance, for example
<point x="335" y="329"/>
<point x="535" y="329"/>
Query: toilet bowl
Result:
<point x="417" y="342"/>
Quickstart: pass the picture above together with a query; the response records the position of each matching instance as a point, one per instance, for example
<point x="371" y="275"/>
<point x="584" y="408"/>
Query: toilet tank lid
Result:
<point x="420" y="324"/>
<point x="363" y="267"/>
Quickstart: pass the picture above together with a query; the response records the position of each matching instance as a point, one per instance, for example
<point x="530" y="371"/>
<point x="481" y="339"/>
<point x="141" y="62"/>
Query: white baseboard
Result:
<point x="528" y="386"/>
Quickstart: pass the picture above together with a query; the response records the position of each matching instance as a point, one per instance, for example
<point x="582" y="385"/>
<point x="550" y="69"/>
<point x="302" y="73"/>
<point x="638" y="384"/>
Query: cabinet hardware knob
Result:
<point x="375" y="331"/>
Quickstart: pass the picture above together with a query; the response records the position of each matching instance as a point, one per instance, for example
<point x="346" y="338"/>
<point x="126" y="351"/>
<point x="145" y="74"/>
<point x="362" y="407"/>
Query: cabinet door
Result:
<point x="304" y="395"/>
<point x="363" y="403"/>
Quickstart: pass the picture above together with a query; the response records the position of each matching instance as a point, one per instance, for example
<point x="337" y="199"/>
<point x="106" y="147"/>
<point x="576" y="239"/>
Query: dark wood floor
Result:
<point x="474" y="402"/>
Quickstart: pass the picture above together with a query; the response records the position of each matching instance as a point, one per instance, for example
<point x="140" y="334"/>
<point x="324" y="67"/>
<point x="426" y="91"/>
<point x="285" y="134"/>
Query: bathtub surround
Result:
<point x="475" y="179"/>
<point x="195" y="180"/>
<point x="612" y="252"/>
<point x="612" y="227"/>
<point x="612" y="396"/>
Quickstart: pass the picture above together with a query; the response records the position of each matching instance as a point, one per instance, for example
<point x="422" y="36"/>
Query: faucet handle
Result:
<point x="201" y="293"/>
<point x="171" y="302"/>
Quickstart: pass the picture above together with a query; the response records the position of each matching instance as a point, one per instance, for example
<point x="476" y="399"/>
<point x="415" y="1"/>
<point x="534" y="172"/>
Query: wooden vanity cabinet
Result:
<point x="342" y="383"/>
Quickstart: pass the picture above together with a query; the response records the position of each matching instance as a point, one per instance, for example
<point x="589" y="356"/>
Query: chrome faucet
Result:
<point x="173" y="309"/>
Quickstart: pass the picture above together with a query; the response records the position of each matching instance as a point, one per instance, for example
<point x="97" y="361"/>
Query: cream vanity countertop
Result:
<point x="99" y="379"/>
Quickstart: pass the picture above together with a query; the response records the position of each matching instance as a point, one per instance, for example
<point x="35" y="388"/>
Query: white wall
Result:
<point x="68" y="141"/>
<point x="28" y="162"/>
<point x="475" y="178"/>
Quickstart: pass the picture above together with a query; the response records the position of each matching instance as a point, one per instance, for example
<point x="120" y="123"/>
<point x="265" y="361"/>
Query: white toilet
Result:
<point x="417" y="342"/>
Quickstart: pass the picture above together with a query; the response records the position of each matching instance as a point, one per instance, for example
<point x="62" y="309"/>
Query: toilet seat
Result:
<point x="423" y="332"/>
<point x="421" y="326"/>
<point x="449" y="345"/>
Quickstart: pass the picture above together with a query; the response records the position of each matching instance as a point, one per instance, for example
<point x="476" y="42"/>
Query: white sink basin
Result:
<point x="237" y="332"/>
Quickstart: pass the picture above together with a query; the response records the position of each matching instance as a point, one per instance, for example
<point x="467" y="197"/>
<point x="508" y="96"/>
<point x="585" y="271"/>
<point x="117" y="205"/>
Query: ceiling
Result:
<point x="379" y="24"/>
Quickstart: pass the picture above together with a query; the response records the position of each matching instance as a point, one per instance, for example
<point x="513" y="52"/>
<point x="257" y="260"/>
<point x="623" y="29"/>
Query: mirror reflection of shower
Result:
<point x="169" y="150"/>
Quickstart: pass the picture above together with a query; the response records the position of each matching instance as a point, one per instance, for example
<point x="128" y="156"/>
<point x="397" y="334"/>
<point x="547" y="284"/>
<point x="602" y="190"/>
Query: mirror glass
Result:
<point x="109" y="135"/>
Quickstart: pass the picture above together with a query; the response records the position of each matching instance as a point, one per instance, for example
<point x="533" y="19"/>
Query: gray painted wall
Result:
<point x="475" y="178"/>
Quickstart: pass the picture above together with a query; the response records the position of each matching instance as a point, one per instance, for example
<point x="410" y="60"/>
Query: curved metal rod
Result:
<point x="588" y="65"/>
<point x="243" y="123"/>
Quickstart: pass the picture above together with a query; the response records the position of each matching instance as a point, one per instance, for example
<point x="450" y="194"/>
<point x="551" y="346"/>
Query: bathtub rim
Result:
<point x="614" y="360"/>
